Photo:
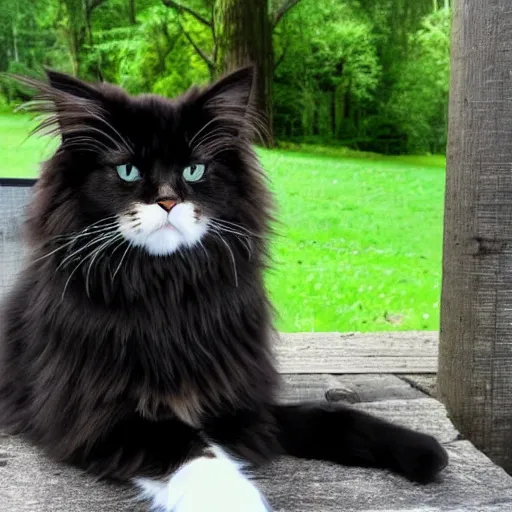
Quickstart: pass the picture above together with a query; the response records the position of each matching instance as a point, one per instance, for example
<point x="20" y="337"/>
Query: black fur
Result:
<point x="125" y="373"/>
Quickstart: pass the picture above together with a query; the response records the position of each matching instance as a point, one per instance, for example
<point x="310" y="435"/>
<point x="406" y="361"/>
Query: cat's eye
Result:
<point x="128" y="172"/>
<point x="194" y="172"/>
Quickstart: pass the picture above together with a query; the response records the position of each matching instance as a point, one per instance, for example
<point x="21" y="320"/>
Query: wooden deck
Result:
<point x="377" y="373"/>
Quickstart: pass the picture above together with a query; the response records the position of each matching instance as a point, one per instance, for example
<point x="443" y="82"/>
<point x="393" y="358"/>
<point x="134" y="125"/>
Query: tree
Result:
<point x="419" y="107"/>
<point x="242" y="34"/>
<point x="475" y="359"/>
<point x="132" y="12"/>
<point x="151" y="56"/>
<point x="75" y="20"/>
<point x="327" y="73"/>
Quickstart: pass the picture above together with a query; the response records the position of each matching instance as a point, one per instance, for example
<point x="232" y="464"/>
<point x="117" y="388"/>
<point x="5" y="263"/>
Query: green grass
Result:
<point x="20" y="156"/>
<point x="360" y="234"/>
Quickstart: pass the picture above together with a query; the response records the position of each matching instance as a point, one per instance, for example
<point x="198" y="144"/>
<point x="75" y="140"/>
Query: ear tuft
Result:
<point x="71" y="85"/>
<point x="234" y="88"/>
<point x="230" y="103"/>
<point x="69" y="105"/>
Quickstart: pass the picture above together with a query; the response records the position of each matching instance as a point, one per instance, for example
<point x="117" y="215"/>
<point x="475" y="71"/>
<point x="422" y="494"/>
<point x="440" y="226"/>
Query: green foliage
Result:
<point x="368" y="74"/>
<point x="152" y="56"/>
<point x="419" y="99"/>
<point x="350" y="73"/>
<point x="330" y="61"/>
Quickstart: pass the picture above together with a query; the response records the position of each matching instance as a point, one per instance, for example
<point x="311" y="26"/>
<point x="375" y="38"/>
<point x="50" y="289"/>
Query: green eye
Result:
<point x="128" y="172"/>
<point x="193" y="172"/>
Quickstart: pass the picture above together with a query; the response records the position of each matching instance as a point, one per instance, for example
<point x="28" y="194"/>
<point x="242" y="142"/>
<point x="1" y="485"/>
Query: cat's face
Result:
<point x="159" y="174"/>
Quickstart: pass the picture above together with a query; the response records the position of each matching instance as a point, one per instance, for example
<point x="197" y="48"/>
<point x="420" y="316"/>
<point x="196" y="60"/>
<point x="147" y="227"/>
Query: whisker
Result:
<point x="70" y="276"/>
<point x="109" y="125"/>
<point x="89" y="227"/>
<point x="246" y="243"/>
<point x="86" y="143"/>
<point x="120" y="244"/>
<point x="228" y="229"/>
<point x="201" y="130"/>
<point x="236" y="226"/>
<point x="81" y="234"/>
<point x="74" y="237"/>
<point x="52" y="252"/>
<point x="215" y="150"/>
<point x="122" y="139"/>
<point x="215" y="139"/>
<point x="232" y="257"/>
<point x="204" y="250"/>
<point x="79" y="265"/>
<point x="219" y="134"/>
<point x="122" y="259"/>
<point x="96" y="240"/>
<point x="112" y="240"/>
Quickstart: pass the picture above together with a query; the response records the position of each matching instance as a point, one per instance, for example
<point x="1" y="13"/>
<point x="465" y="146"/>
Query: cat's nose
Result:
<point x="167" y="204"/>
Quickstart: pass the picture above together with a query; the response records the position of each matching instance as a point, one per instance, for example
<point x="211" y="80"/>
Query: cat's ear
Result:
<point x="71" y="85"/>
<point x="233" y="89"/>
<point x="71" y="106"/>
<point x="230" y="105"/>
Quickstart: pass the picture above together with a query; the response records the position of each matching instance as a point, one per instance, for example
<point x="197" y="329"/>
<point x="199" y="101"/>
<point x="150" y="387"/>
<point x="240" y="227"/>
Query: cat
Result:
<point x="136" y="342"/>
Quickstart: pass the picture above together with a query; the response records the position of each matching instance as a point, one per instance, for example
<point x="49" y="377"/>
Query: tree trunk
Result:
<point x="15" y="42"/>
<point x="475" y="360"/>
<point x="132" y="18"/>
<point x="332" y="107"/>
<point x="243" y="33"/>
<point x="74" y="52"/>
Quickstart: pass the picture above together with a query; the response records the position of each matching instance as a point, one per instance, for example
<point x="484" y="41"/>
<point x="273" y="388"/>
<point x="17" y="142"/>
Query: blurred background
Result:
<point x="356" y="94"/>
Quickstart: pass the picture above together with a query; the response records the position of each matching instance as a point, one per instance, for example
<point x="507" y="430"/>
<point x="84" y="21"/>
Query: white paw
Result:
<point x="206" y="484"/>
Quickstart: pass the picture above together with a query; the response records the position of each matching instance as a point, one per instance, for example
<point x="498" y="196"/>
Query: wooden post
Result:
<point x="475" y="359"/>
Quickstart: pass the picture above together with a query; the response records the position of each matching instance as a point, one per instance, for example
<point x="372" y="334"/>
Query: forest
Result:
<point x="371" y="75"/>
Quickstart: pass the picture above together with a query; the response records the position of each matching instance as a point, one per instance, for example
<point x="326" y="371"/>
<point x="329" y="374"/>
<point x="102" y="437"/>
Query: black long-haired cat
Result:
<point x="136" y="342"/>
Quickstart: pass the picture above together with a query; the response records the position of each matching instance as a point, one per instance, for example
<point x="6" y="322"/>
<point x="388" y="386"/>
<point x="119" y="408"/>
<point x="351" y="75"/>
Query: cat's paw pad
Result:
<point x="206" y="484"/>
<point x="420" y="457"/>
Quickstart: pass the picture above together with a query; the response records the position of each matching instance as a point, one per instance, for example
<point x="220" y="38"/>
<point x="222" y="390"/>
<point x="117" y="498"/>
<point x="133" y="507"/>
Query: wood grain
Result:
<point x="391" y="352"/>
<point x="475" y="371"/>
<point x="30" y="482"/>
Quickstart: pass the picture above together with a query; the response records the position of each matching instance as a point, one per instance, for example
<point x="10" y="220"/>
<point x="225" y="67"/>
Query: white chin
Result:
<point x="147" y="229"/>
<point x="164" y="241"/>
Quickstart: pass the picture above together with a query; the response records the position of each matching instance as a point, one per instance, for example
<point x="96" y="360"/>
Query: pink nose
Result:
<point x="167" y="205"/>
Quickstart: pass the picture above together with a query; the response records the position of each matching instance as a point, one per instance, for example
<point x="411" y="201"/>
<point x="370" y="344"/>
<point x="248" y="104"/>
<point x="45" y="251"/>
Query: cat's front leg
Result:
<point x="176" y="469"/>
<point x="212" y="482"/>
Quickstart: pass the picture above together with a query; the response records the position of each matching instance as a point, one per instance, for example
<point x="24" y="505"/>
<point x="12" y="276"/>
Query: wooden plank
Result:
<point x="422" y="414"/>
<point x="386" y="352"/>
<point x="425" y="383"/>
<point x="345" y="388"/>
<point x="471" y="483"/>
<point x="29" y="482"/>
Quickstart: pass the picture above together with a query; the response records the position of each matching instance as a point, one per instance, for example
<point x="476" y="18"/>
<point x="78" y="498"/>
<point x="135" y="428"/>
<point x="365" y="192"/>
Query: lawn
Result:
<point x="360" y="237"/>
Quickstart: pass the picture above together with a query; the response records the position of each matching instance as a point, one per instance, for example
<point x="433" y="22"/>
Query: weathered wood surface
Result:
<point x="345" y="388"/>
<point x="389" y="352"/>
<point x="475" y="372"/>
<point x="31" y="483"/>
<point x="426" y="383"/>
